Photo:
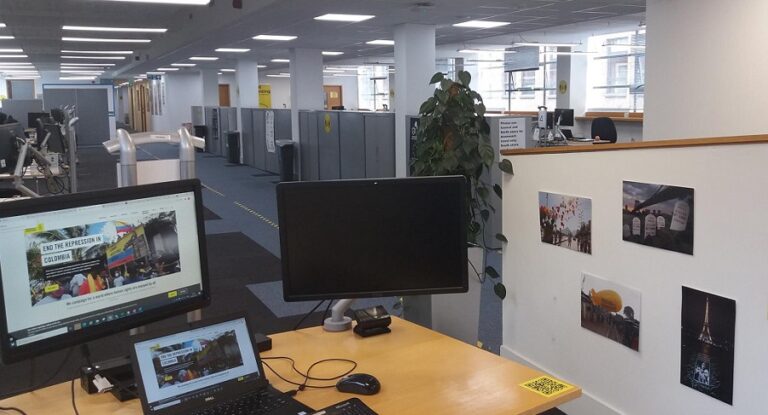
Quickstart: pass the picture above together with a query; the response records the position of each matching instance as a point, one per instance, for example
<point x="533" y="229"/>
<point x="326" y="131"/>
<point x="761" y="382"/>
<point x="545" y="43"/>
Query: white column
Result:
<point x="306" y="84"/>
<point x="414" y="66"/>
<point x="247" y="84"/>
<point x="209" y="82"/>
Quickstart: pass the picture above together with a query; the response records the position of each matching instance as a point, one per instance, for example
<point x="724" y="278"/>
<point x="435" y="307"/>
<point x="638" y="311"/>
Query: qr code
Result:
<point x="546" y="386"/>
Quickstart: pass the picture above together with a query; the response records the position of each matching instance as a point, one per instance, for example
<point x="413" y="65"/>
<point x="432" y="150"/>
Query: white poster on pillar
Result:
<point x="269" y="122"/>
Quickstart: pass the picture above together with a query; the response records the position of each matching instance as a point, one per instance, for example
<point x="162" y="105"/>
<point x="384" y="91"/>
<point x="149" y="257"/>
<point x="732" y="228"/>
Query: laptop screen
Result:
<point x="193" y="367"/>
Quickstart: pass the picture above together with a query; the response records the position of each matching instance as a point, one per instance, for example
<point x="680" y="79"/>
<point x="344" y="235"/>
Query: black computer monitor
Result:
<point x="9" y="148"/>
<point x="550" y="120"/>
<point x="372" y="238"/>
<point x="564" y="117"/>
<point x="77" y="267"/>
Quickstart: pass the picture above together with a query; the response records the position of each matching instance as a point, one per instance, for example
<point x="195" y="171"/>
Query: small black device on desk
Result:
<point x="352" y="406"/>
<point x="372" y="321"/>
<point x="360" y="383"/>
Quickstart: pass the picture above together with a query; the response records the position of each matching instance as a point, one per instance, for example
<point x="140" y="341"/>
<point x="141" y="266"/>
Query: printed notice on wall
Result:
<point x="511" y="133"/>
<point x="269" y="121"/>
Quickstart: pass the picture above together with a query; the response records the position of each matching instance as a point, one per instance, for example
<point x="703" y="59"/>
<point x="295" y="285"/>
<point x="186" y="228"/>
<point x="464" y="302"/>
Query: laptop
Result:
<point x="568" y="134"/>
<point x="206" y="368"/>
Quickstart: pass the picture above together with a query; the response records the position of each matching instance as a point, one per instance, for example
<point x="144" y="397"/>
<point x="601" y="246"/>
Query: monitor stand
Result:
<point x="338" y="321"/>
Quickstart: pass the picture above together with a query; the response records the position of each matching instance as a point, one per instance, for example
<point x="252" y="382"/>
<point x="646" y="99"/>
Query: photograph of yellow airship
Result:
<point x="610" y="310"/>
<point x="566" y="221"/>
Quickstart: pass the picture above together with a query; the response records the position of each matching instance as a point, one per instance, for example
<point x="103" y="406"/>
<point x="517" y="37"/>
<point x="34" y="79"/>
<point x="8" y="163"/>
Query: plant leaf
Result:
<point x="491" y="272"/>
<point x="506" y="166"/>
<point x="497" y="189"/>
<point x="464" y="78"/>
<point x="501" y="237"/>
<point x="482" y="192"/>
<point x="500" y="290"/>
<point x="436" y="78"/>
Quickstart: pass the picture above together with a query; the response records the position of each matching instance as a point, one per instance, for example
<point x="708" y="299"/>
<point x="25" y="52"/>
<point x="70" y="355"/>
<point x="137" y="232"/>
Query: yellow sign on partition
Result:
<point x="265" y="96"/>
<point x="546" y="386"/>
<point x="327" y="123"/>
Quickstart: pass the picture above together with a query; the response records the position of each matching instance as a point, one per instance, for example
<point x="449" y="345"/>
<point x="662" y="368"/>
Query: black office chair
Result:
<point x="604" y="128"/>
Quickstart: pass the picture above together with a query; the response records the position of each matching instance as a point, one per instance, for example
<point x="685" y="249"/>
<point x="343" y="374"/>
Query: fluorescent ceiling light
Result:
<point x="114" y="29"/>
<point x="103" y="40"/>
<point x="486" y="50"/>
<point x="261" y="66"/>
<point x="82" y="72"/>
<point x="328" y="53"/>
<point x="381" y="42"/>
<point x="104" y="52"/>
<point x="280" y="60"/>
<point x="345" y="74"/>
<point x="100" y="65"/>
<point x="540" y="44"/>
<point x="278" y="76"/>
<point x="184" y="65"/>
<point x="15" y="63"/>
<point x="336" y="17"/>
<point x="26" y="66"/>
<point x="481" y="24"/>
<point x="339" y="68"/>
<point x="228" y="70"/>
<point x="2" y="25"/>
<point x="13" y="56"/>
<point x="23" y="77"/>
<point x="274" y="37"/>
<point x="233" y="50"/>
<point x="155" y="73"/>
<point x="180" y="2"/>
<point x="77" y="78"/>
<point x="11" y="50"/>
<point x="203" y="58"/>
<point x="167" y="69"/>
<point x="112" y="58"/>
<point x="333" y="71"/>
<point x="7" y="37"/>
<point x="22" y="72"/>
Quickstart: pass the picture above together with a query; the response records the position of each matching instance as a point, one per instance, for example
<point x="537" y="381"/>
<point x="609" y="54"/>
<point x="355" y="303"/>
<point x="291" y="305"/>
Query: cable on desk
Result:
<point x="307" y="315"/>
<point x="325" y="315"/>
<point x="72" y="389"/>
<point x="306" y="376"/>
<point x="10" y="408"/>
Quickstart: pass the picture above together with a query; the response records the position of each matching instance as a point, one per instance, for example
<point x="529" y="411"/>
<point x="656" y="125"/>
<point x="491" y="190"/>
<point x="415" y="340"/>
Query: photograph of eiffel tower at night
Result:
<point x="706" y="345"/>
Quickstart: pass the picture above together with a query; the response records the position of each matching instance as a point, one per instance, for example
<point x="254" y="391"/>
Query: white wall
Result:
<point x="281" y="90"/>
<point x="348" y="90"/>
<point x="182" y="91"/>
<point x="705" y="63"/>
<point x="542" y="310"/>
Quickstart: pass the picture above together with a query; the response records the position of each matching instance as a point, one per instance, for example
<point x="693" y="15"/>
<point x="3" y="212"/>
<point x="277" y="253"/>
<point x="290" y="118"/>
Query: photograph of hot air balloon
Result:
<point x="566" y="221"/>
<point x="658" y="215"/>
<point x="610" y="310"/>
<point x="708" y="326"/>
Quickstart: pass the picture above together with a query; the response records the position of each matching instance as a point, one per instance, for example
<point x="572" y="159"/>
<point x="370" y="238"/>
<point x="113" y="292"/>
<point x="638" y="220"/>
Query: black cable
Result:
<point x="307" y="377"/>
<point x="10" y="408"/>
<point x="296" y="327"/>
<point x="72" y="389"/>
<point x="39" y="384"/>
<point x="325" y="315"/>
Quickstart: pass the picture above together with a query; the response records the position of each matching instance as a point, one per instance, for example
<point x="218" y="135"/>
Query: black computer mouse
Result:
<point x="359" y="383"/>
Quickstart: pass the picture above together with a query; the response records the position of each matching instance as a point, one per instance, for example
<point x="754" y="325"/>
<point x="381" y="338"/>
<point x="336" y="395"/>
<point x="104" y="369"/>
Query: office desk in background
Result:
<point x="421" y="372"/>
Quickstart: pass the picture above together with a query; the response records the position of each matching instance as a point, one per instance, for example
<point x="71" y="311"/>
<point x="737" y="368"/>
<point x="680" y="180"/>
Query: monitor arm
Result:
<point x="338" y="321"/>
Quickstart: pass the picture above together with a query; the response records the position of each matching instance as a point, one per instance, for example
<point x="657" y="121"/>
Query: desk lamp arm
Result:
<point x="338" y="321"/>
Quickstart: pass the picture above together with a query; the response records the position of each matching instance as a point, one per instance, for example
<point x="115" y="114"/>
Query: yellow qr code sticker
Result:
<point x="546" y="386"/>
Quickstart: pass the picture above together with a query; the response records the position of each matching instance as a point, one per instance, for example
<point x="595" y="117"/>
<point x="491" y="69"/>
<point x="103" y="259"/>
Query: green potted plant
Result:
<point x="453" y="138"/>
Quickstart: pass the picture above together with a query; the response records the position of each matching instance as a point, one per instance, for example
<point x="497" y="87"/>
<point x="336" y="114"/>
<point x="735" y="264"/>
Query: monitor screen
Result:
<point x="370" y="238"/>
<point x="77" y="267"/>
<point x="9" y="150"/>
<point x="564" y="117"/>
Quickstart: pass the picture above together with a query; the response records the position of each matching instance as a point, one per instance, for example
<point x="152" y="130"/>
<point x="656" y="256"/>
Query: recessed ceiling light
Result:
<point x="23" y="77"/>
<point x="280" y="60"/>
<point x="341" y="68"/>
<point x="103" y="40"/>
<point x="20" y="71"/>
<point x="105" y="52"/>
<point x="76" y="72"/>
<point x="7" y="37"/>
<point x="219" y="73"/>
<point x="114" y="29"/>
<point x="345" y="74"/>
<point x="540" y="44"/>
<point x="278" y="76"/>
<point x="334" y="17"/>
<point x="333" y="71"/>
<point x="87" y="65"/>
<point x="381" y="42"/>
<point x="481" y="24"/>
<point x="329" y="53"/>
<point x="203" y="58"/>
<point x="77" y="78"/>
<point x="13" y="56"/>
<point x="2" y="25"/>
<point x="155" y="73"/>
<point x="184" y="65"/>
<point x="180" y="2"/>
<point x="228" y="70"/>
<point x="167" y="69"/>
<point x="19" y="66"/>
<point x="111" y="58"/>
<point x="486" y="50"/>
<point x="274" y="37"/>
<point x="261" y="66"/>
<point x="11" y="51"/>
<point x="15" y="63"/>
<point x="233" y="50"/>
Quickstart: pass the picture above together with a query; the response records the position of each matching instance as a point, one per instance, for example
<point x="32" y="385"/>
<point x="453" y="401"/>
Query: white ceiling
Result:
<point x="198" y="30"/>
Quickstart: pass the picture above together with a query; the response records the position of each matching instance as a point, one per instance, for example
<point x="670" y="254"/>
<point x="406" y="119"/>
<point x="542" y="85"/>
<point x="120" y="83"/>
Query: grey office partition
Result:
<point x="308" y="152"/>
<point x="329" y="154"/>
<point x="246" y="136"/>
<point x="198" y="115"/>
<point x="352" y="145"/>
<point x="20" y="108"/>
<point x="92" y="109"/>
<point x="212" y="123"/>
<point x="379" y="145"/>
<point x="259" y="140"/>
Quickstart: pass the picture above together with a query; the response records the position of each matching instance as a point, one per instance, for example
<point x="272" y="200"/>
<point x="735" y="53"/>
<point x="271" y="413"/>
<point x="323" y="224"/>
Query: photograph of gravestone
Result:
<point x="706" y="343"/>
<point x="658" y="215"/>
<point x="566" y="221"/>
<point x="610" y="310"/>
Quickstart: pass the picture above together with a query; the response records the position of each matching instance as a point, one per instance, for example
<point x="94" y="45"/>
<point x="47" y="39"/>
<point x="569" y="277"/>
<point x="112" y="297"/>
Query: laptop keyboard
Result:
<point x="353" y="406"/>
<point x="254" y="403"/>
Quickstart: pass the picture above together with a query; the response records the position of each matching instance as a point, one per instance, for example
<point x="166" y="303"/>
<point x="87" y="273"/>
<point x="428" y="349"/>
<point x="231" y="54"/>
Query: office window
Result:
<point x="373" y="87"/>
<point x="616" y="80"/>
<point x="530" y="89"/>
<point x="489" y="79"/>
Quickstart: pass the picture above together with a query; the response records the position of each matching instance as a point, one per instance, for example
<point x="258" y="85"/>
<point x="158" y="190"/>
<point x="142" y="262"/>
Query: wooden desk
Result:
<point x="421" y="372"/>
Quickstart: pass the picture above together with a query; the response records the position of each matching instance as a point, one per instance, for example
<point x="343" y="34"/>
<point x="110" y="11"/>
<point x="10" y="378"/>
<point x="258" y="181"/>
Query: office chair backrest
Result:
<point x="58" y="115"/>
<point x="604" y="128"/>
<point x="56" y="143"/>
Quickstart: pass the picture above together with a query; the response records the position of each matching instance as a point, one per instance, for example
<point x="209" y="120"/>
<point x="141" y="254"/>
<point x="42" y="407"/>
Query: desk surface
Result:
<point x="421" y="372"/>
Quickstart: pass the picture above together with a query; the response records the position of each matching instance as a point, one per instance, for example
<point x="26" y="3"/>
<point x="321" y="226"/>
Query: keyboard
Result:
<point x="255" y="403"/>
<point x="353" y="406"/>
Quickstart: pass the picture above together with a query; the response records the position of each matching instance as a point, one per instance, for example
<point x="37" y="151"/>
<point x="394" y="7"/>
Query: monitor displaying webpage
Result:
<point x="72" y="269"/>
<point x="194" y="364"/>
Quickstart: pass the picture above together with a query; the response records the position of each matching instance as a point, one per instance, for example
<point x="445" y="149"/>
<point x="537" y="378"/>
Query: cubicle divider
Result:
<point x="260" y="129"/>
<point x="346" y="145"/>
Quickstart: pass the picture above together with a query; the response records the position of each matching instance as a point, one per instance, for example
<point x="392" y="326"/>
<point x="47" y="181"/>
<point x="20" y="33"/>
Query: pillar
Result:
<point x="306" y="84"/>
<point x="414" y="66"/>
<point x="209" y="82"/>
